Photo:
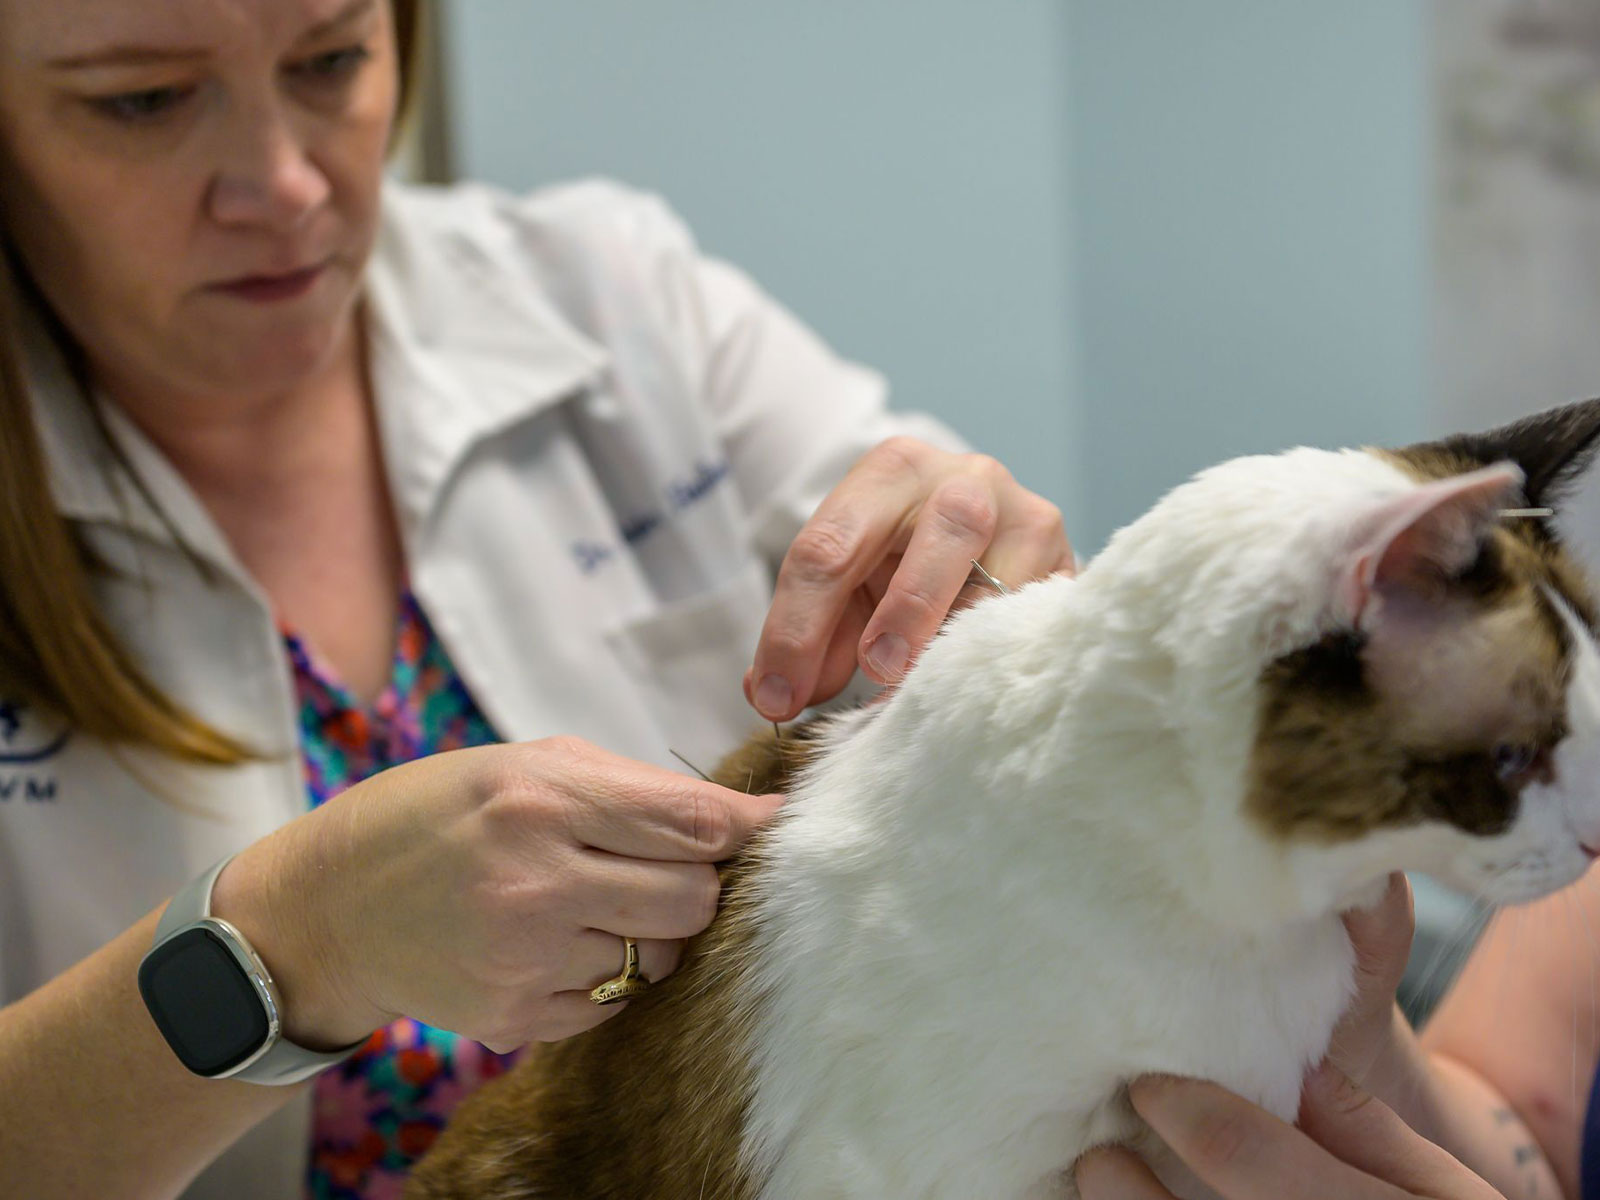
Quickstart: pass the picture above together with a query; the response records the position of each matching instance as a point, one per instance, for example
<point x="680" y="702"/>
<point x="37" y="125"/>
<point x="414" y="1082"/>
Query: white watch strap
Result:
<point x="280" y="1061"/>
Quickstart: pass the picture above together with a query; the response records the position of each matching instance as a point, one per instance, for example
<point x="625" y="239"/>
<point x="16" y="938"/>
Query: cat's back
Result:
<point x="651" y="1102"/>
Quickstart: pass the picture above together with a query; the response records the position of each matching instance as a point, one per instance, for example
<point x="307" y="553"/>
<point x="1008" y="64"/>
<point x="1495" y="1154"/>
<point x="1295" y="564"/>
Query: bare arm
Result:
<point x="93" y="1103"/>
<point x="484" y="891"/>
<point x="1514" y="1046"/>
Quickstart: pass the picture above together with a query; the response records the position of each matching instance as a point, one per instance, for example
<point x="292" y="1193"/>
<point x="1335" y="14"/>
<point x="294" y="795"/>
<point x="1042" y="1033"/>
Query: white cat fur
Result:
<point x="955" y="1013"/>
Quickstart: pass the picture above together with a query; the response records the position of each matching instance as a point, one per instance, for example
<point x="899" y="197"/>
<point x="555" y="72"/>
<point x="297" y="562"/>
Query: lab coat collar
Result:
<point x="462" y="345"/>
<point x="88" y="479"/>
<point x="461" y="348"/>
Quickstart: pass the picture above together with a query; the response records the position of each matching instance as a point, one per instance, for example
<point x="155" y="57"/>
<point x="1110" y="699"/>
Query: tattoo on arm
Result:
<point x="1526" y="1157"/>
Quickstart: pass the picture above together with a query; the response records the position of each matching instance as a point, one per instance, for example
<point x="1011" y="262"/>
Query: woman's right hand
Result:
<point x="484" y="891"/>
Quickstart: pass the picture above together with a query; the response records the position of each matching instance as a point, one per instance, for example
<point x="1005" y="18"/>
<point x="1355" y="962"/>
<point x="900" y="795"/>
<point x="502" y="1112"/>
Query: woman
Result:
<point x="305" y="476"/>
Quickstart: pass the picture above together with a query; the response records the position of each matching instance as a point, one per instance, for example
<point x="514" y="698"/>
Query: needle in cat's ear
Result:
<point x="776" y="732"/>
<point x="990" y="579"/>
<point x="688" y="764"/>
<point x="1527" y="512"/>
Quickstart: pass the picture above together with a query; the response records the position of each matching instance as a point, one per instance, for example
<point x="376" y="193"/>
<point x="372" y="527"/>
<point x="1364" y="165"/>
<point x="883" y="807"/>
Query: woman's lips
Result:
<point x="267" y="289"/>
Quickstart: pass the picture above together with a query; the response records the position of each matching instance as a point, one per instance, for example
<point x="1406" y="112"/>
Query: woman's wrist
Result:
<point x="284" y="911"/>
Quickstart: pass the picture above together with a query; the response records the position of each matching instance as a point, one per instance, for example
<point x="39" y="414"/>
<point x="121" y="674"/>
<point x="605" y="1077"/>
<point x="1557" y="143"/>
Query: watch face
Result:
<point x="203" y="1001"/>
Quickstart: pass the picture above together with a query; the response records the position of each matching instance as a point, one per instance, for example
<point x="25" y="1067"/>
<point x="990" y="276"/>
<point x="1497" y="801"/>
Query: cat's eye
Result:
<point x="1518" y="765"/>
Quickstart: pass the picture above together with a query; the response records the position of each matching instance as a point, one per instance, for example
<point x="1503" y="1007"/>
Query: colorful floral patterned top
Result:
<point x="376" y="1113"/>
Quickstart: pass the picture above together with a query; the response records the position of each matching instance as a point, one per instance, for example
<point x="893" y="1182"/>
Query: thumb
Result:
<point x="1381" y="938"/>
<point x="1365" y="1132"/>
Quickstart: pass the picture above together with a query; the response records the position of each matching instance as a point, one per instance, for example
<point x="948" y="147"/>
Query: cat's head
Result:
<point x="1447" y="717"/>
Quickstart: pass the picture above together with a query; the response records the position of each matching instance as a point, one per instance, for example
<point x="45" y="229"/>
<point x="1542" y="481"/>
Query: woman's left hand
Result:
<point x="879" y="566"/>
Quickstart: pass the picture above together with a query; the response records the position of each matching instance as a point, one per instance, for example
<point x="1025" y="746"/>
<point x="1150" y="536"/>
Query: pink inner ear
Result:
<point x="1435" y="528"/>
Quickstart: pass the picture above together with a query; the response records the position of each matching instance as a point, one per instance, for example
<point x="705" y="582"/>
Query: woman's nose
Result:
<point x="267" y="178"/>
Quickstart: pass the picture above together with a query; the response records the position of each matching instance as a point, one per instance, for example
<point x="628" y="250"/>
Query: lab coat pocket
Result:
<point x="688" y="661"/>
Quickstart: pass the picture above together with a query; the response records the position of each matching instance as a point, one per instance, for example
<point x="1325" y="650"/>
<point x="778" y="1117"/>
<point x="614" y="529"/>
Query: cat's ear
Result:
<point x="1553" y="448"/>
<point x="1433" y="532"/>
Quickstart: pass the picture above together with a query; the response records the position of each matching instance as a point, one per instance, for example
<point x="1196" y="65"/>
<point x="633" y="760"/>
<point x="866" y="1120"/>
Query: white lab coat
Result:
<point x="599" y="444"/>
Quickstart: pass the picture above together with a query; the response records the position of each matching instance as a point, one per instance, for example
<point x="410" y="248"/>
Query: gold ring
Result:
<point x="627" y="985"/>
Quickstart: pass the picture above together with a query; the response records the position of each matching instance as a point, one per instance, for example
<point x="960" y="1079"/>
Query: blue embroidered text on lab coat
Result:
<point x="680" y="495"/>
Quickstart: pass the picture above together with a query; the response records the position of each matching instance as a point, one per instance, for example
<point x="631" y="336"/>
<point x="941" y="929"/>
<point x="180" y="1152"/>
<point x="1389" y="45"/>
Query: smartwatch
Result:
<point x="213" y="998"/>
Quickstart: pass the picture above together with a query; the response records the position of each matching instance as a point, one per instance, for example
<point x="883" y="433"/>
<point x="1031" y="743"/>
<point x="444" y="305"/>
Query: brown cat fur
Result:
<point x="567" y="1122"/>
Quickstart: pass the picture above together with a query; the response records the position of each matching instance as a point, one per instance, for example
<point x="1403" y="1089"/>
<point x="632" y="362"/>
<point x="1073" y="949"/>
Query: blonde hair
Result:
<point x="56" y="649"/>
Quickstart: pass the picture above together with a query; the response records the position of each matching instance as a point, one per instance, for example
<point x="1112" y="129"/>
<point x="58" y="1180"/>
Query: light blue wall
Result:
<point x="1111" y="240"/>
<point x="1248" y="232"/>
<point x="893" y="172"/>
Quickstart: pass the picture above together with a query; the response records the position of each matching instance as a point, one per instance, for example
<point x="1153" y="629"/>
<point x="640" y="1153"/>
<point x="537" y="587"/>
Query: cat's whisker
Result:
<point x="1594" y="962"/>
<point x="1513" y="920"/>
<point x="1527" y="512"/>
<point x="1565" y="902"/>
<point x="1462" y="933"/>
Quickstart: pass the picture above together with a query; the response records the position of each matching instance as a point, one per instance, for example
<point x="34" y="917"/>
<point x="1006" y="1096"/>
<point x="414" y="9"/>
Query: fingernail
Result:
<point x="887" y="656"/>
<point x="773" y="696"/>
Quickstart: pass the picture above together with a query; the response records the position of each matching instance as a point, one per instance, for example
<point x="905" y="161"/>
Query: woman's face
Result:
<point x="193" y="184"/>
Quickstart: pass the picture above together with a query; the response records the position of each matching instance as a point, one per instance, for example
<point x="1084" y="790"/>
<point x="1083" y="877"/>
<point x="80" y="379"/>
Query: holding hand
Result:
<point x="879" y="566"/>
<point x="484" y="891"/>
<point x="1350" y="1145"/>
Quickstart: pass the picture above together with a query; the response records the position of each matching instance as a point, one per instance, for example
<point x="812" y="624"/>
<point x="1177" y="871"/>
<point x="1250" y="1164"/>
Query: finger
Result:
<point x="643" y="898"/>
<point x="839" y="660"/>
<point x="1030" y="542"/>
<point x="564" y="1015"/>
<point x="953" y="527"/>
<point x="596" y="956"/>
<point x="1366" y="1133"/>
<point x="1381" y="937"/>
<point x="1242" y="1151"/>
<point x="643" y="811"/>
<point x="1112" y="1173"/>
<point x="853" y="529"/>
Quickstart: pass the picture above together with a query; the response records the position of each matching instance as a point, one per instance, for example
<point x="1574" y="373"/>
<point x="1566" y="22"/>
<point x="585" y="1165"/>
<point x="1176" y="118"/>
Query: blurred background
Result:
<point x="1110" y="241"/>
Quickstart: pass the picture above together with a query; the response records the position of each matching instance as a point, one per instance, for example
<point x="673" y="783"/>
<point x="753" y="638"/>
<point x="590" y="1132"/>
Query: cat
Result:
<point x="1105" y="826"/>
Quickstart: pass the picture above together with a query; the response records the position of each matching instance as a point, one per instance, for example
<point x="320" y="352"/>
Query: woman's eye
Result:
<point x="333" y="67"/>
<point x="144" y="105"/>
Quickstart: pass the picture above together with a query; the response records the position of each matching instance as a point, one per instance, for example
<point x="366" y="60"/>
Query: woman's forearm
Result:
<point x="93" y="1102"/>
<point x="1453" y="1106"/>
